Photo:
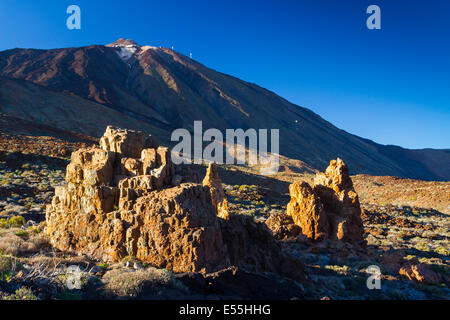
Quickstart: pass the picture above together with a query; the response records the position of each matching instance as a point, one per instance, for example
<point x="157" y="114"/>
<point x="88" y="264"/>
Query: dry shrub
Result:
<point x="54" y="261"/>
<point x="131" y="283"/>
<point x="22" y="293"/>
<point x="13" y="244"/>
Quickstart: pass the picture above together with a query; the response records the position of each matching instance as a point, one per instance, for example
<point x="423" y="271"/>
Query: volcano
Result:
<point x="158" y="90"/>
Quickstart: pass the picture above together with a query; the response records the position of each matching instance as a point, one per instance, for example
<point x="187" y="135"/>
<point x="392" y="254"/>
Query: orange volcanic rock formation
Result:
<point x="120" y="200"/>
<point x="330" y="209"/>
<point x="214" y="183"/>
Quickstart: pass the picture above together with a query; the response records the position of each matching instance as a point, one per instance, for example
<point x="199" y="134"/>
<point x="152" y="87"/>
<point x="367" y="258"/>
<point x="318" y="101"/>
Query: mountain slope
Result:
<point x="159" y="90"/>
<point x="38" y="105"/>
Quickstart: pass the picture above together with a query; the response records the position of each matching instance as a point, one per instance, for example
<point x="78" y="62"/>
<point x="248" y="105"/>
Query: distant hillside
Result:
<point x="158" y="90"/>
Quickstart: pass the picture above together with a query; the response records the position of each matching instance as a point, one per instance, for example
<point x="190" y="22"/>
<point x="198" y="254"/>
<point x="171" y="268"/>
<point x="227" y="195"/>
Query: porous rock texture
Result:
<point x="330" y="209"/>
<point x="251" y="246"/>
<point x="218" y="198"/>
<point x="121" y="200"/>
<point x="282" y="226"/>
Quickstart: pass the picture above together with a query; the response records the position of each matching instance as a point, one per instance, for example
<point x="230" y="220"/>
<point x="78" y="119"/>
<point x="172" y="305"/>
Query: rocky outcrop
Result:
<point x="307" y="211"/>
<point x="121" y="200"/>
<point x="420" y="273"/>
<point x="341" y="202"/>
<point x="118" y="202"/>
<point x="251" y="246"/>
<point x="177" y="229"/>
<point x="330" y="209"/>
<point x="282" y="226"/>
<point x="218" y="198"/>
<point x="238" y="284"/>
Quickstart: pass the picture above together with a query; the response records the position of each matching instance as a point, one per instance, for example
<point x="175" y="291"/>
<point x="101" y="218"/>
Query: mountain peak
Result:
<point x="123" y="43"/>
<point x="126" y="48"/>
<point x="159" y="90"/>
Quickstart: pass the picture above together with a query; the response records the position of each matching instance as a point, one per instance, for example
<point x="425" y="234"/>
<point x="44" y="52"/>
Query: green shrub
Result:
<point x="103" y="265"/>
<point x="22" y="234"/>
<point x="344" y="270"/>
<point x="3" y="223"/>
<point x="422" y="246"/>
<point x="24" y="293"/>
<point x="243" y="188"/>
<point x="35" y="230"/>
<point x="16" y="221"/>
<point x="9" y="265"/>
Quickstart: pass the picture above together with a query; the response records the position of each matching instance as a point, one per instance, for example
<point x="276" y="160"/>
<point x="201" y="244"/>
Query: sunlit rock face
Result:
<point x="330" y="209"/>
<point x="119" y="202"/>
<point x="218" y="198"/>
<point x="124" y="199"/>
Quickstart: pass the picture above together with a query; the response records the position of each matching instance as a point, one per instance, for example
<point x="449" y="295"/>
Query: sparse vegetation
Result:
<point x="407" y="217"/>
<point x="22" y="293"/>
<point x="9" y="266"/>
<point x="132" y="283"/>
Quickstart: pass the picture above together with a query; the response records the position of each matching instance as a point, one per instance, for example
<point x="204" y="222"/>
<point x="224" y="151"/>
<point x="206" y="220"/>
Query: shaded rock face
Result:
<point x="330" y="209"/>
<point x="239" y="284"/>
<point x="282" y="226"/>
<point x="252" y="246"/>
<point x="214" y="183"/>
<point x="420" y="273"/>
<point x="120" y="201"/>
<point x="177" y="229"/>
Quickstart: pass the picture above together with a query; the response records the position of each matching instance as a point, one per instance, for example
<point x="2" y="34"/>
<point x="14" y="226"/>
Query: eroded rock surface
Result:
<point x="118" y="202"/>
<point x="282" y="226"/>
<point x="124" y="199"/>
<point x="420" y="273"/>
<point x="307" y="211"/>
<point x="251" y="246"/>
<point x="236" y="283"/>
<point x="330" y="209"/>
<point x="218" y="198"/>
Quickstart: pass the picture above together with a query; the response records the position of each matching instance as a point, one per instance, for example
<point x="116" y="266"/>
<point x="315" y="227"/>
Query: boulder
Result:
<point x="329" y="209"/>
<point x="307" y="211"/>
<point x="218" y="198"/>
<point x="237" y="284"/>
<point x="176" y="228"/>
<point x="282" y="226"/>
<point x="420" y="272"/>
<point x="127" y="143"/>
<point x="252" y="246"/>
<point x="91" y="166"/>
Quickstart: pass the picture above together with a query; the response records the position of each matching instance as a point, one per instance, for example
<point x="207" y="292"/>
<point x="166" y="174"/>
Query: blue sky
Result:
<point x="390" y="85"/>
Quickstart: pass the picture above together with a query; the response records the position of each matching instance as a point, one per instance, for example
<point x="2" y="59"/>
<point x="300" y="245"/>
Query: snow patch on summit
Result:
<point x="125" y="52"/>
